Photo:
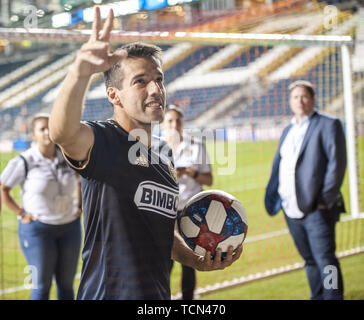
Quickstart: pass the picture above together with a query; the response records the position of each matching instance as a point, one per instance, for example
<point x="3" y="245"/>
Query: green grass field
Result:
<point x="268" y="245"/>
<point x="294" y="286"/>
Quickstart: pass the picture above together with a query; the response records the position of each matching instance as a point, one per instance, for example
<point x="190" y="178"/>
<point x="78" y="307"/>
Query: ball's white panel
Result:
<point x="189" y="229"/>
<point x="199" y="250"/>
<point x="203" y="194"/>
<point x="238" y="207"/>
<point x="196" y="197"/>
<point x="231" y="241"/>
<point x="215" y="216"/>
<point x="197" y="217"/>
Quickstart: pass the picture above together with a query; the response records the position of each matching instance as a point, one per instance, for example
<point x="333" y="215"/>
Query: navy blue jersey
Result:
<point x="130" y="199"/>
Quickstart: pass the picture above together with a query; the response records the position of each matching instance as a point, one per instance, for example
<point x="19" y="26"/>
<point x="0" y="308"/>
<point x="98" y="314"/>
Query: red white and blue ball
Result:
<point x="213" y="219"/>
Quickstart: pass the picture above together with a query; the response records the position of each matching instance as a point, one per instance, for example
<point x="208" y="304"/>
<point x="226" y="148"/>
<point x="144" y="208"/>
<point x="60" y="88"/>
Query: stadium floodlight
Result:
<point x="61" y="20"/>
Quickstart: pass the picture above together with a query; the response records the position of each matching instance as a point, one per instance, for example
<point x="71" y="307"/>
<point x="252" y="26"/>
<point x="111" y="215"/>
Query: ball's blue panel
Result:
<point x="190" y="242"/>
<point x="233" y="215"/>
<point x="228" y="228"/>
<point x="197" y="211"/>
<point x="239" y="228"/>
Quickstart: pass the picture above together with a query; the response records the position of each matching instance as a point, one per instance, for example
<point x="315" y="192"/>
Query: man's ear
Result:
<point x="113" y="96"/>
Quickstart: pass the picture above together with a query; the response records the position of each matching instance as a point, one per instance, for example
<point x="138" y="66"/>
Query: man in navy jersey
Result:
<point x="129" y="188"/>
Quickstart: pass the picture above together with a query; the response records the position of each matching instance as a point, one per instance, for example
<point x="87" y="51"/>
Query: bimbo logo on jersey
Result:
<point x="158" y="198"/>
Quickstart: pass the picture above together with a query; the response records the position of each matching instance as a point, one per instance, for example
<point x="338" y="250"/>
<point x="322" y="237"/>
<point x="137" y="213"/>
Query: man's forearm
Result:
<point x="67" y="110"/>
<point x="183" y="254"/>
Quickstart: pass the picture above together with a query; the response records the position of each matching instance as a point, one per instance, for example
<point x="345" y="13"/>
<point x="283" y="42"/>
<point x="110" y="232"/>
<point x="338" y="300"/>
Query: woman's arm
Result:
<point x="10" y="202"/>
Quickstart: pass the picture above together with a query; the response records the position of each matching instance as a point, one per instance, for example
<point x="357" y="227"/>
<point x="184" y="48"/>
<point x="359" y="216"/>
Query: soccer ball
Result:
<point x="213" y="219"/>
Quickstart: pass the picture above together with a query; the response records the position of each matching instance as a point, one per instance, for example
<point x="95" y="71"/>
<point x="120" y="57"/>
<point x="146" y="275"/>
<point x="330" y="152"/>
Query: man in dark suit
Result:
<point x="307" y="173"/>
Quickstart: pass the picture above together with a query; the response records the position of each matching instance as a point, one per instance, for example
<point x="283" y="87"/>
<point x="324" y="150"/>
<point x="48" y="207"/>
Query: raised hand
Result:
<point x="94" y="56"/>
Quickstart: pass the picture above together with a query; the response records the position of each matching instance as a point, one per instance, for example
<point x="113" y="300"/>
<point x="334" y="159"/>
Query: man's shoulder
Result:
<point x="108" y="129"/>
<point x="328" y="122"/>
<point x="326" y="117"/>
<point x="103" y="124"/>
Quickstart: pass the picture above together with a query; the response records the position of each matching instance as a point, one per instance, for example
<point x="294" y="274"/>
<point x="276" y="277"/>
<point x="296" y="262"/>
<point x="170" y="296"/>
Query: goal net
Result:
<point x="233" y="85"/>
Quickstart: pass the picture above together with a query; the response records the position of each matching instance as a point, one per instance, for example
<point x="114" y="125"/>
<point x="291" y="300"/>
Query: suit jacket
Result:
<point x="320" y="167"/>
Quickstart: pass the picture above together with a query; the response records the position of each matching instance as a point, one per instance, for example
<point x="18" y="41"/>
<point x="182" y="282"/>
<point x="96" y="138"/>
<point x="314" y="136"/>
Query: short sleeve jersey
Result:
<point x="130" y="199"/>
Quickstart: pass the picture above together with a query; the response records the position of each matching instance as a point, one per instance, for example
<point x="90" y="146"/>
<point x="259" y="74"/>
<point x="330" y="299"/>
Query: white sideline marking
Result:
<point x="260" y="275"/>
<point x="12" y="290"/>
<point x="265" y="236"/>
<point x="251" y="277"/>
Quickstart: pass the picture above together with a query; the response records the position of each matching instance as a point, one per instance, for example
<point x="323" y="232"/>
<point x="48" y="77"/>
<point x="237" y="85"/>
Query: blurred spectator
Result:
<point x="193" y="171"/>
<point x="49" y="214"/>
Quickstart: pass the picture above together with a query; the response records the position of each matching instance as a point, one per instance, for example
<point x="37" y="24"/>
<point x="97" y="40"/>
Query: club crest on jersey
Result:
<point x="141" y="161"/>
<point x="157" y="198"/>
<point x="172" y="171"/>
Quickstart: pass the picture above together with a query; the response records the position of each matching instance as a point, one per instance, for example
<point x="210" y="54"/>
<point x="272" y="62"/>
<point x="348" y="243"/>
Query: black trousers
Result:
<point x="188" y="281"/>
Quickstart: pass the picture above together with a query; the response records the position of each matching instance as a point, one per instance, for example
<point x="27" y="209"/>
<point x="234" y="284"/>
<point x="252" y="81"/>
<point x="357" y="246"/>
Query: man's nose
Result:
<point x="154" y="88"/>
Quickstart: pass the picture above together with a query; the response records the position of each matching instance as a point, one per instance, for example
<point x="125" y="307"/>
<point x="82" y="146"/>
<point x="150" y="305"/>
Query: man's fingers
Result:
<point x="107" y="27"/>
<point x="238" y="252"/>
<point x="229" y="255"/>
<point x="92" y="63"/>
<point x="217" y="258"/>
<point x="116" y="56"/>
<point x="209" y="264"/>
<point x="95" y="46"/>
<point x="232" y="255"/>
<point x="96" y="24"/>
<point x="208" y="259"/>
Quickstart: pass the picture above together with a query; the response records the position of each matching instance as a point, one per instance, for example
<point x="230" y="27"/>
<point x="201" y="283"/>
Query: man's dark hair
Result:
<point x="134" y="50"/>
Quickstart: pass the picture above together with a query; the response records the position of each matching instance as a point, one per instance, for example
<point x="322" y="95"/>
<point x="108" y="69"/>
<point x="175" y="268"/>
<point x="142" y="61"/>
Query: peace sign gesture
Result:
<point x="94" y="56"/>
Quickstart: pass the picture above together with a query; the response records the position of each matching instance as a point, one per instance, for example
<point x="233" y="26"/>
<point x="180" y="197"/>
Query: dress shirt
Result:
<point x="289" y="153"/>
